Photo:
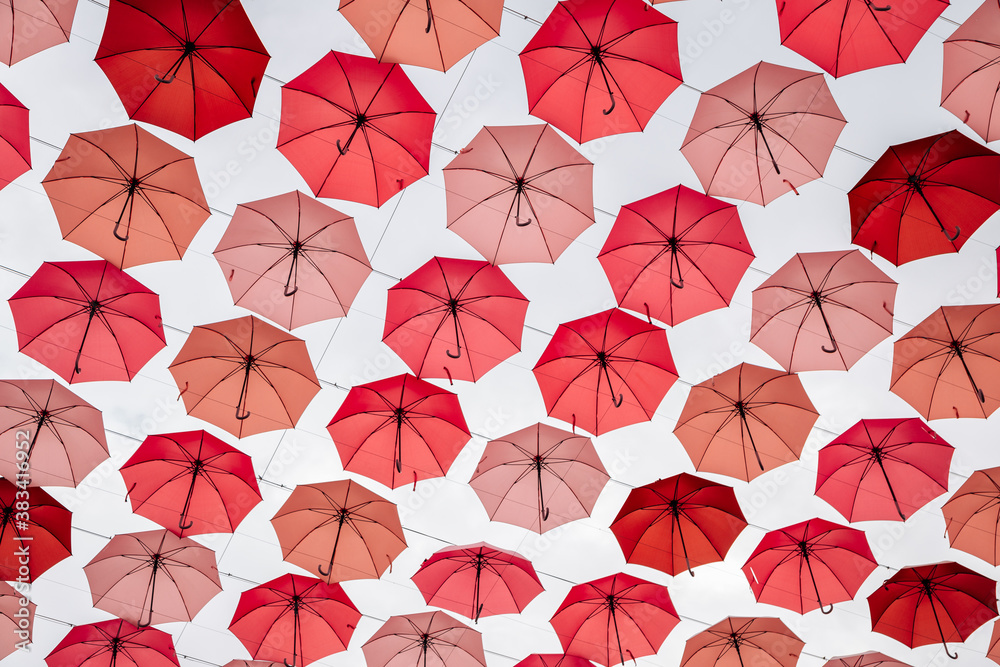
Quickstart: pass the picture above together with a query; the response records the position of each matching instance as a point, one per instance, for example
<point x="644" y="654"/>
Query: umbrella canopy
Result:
<point x="605" y="371"/>
<point x="994" y="650"/>
<point x="126" y="196"/>
<point x="293" y="259"/>
<point x="763" y="133"/>
<point x="676" y="255"/>
<point x="114" y="643"/>
<point x="870" y="659"/>
<point x="30" y="26"/>
<point x="972" y="516"/>
<point x="190" y="67"/>
<point x="738" y="640"/>
<point x="971" y="82"/>
<point x="519" y="193"/>
<point x="602" y="67"/>
<point x="13" y="616"/>
<point x="554" y="660"/>
<point x="428" y="639"/>
<point x="87" y="321"/>
<point x="40" y="533"/>
<point x="15" y="149"/>
<point x="355" y="128"/>
<point x="823" y="311"/>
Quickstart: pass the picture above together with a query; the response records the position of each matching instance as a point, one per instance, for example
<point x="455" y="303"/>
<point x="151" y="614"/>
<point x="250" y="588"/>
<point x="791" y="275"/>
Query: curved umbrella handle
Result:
<point x="827" y="350"/>
<point x="184" y="526"/>
<point x="678" y="285"/>
<point x="319" y="568"/>
<point x="243" y="416"/>
<point x="880" y="9"/>
<point x="952" y="237"/>
<point x="165" y="79"/>
<point x="618" y="403"/>
<point x="825" y="610"/>
<point x="125" y="238"/>
<point x="545" y="514"/>
<point x="454" y="355"/>
<point x="607" y="112"/>
<point x="343" y="150"/>
<point x="517" y="221"/>
<point x="430" y="17"/>
<point x="294" y="290"/>
<point x="285" y="660"/>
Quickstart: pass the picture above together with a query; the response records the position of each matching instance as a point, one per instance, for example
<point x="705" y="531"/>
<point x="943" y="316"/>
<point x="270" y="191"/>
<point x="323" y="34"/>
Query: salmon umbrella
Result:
<point x="994" y="651"/>
<point x="245" y="376"/>
<point x="126" y="196"/>
<point x="602" y="67"/>
<point x="883" y="468"/>
<point x="190" y="67"/>
<point x="15" y="149"/>
<point x="87" y="321"/>
<point x="519" y="193"/>
<point x="676" y="254"/>
<point x="554" y="660"/>
<point x="743" y="641"/>
<point x="428" y="639"/>
<point x="34" y="528"/>
<point x="745" y="421"/>
<point x="765" y="132"/>
<point x="870" y="659"/>
<point x="28" y="27"/>
<point x="13" y="616"/>
<point x="114" y="643"/>
<point x="355" y="128"/>
<point x="971" y="81"/>
<point x="823" y="310"/>
<point x="972" y="516"/>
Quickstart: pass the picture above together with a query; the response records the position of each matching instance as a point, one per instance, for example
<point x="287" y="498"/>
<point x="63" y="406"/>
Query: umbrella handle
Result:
<point x="607" y="112"/>
<point x="678" y="285"/>
<point x="517" y="221"/>
<point x="827" y="611"/>
<point x="343" y="151"/>
<point x="454" y="355"/>
<point x="184" y="526"/>
<point x="545" y="514"/>
<point x="883" y="9"/>
<point x="326" y="573"/>
<point x="165" y="79"/>
<point x="117" y="235"/>
<point x="294" y="290"/>
<point x="430" y="17"/>
<point x="618" y="403"/>
<point x="950" y="237"/>
<point x="243" y="416"/>
<point x="829" y="351"/>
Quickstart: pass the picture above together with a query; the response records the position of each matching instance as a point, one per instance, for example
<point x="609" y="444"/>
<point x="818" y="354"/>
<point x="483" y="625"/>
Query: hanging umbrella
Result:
<point x="114" y="643"/>
<point x="28" y="27"/>
<point x="994" y="651"/>
<point x="972" y="516"/>
<point x="765" y="132"/>
<point x="190" y="67"/>
<point x="539" y="477"/>
<point x="40" y="532"/>
<point x="392" y="429"/>
<point x="519" y="193"/>
<point x="293" y="259"/>
<point x="745" y="421"/>
<point x="601" y="67"/>
<point x="554" y="660"/>
<point x="605" y="371"/>
<point x="340" y="530"/>
<point x="252" y="663"/>
<point x="428" y="639"/>
<point x="191" y="483"/>
<point x="126" y="196"/>
<point x="676" y="255"/>
<point x="15" y="149"/>
<point x="355" y="128"/>
<point x="870" y="659"/>
<point x="245" y="376"/>
<point x="13" y="616"/>
<point x="971" y="81"/>
<point x="823" y="311"/>
<point x="747" y="642"/>
<point x="678" y="523"/>
<point x="454" y="318"/>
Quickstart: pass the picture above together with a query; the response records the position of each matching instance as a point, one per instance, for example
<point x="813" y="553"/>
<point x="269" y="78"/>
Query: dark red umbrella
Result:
<point x="30" y="26"/>
<point x="114" y="643"/>
<point x="428" y="639"/>
<point x="15" y="149"/>
<point x="747" y="642"/>
<point x="870" y="659"/>
<point x="554" y="660"/>
<point x="35" y="527"/>
<point x="971" y="80"/>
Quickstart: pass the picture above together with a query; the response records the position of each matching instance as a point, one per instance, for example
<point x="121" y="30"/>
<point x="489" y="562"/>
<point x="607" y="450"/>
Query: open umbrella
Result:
<point x="35" y="527"/>
<point x="994" y="651"/>
<point x="114" y="643"/>
<point x="972" y="516"/>
<point x="870" y="659"/>
<point x="554" y="660"/>
<point x="30" y="26"/>
<point x="15" y="149"/>
<point x="13" y="617"/>
<point x="747" y="642"/>
<point x="971" y="82"/>
<point x="427" y="639"/>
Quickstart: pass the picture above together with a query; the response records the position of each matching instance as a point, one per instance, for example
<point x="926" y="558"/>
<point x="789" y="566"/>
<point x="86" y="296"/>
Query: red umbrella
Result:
<point x="601" y="67"/>
<point x="605" y="371"/>
<point x="676" y="255"/>
<point x="389" y="429"/>
<point x="739" y="640"/>
<point x="972" y="516"/>
<point x="428" y="639"/>
<point x="190" y="67"/>
<point x="870" y="659"/>
<point x="40" y="533"/>
<point x="15" y="149"/>
<point x="13" y="617"/>
<point x="519" y="193"/>
<point x="355" y="128"/>
<point x="883" y="468"/>
<point x="113" y="643"/>
<point x="971" y="81"/>
<point x="30" y="26"/>
<point x="554" y="660"/>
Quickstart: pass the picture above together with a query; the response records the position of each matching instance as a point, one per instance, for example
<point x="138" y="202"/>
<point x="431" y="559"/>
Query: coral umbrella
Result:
<point x="763" y="133"/>
<point x="823" y="310"/>
<point x="519" y="193"/>
<point x="123" y="577"/>
<point x="392" y="429"/>
<point x="28" y="27"/>
<point x="294" y="619"/>
<point x="601" y="67"/>
<point x="676" y="254"/>
<point x="745" y="421"/>
<point x="972" y="516"/>
<point x="554" y="660"/>
<point x="971" y="81"/>
<point x="126" y="196"/>
<point x="15" y="149"/>
<point x="870" y="659"/>
<point x="454" y="318"/>
<point x="539" y="477"/>
<point x="190" y="67"/>
<point x="738" y="640"/>
<point x="39" y="532"/>
<point x="191" y="483"/>
<point x="15" y="611"/>
<point x="605" y="371"/>
<point x="87" y="321"/>
<point x="293" y="259"/>
<point x="478" y="580"/>
<point x="881" y="469"/>
<point x="340" y="530"/>
<point x="428" y="639"/>
<point x="679" y="522"/>
<point x="355" y="128"/>
<point x="994" y="651"/>
<point x="245" y="376"/>
<point x="114" y="643"/>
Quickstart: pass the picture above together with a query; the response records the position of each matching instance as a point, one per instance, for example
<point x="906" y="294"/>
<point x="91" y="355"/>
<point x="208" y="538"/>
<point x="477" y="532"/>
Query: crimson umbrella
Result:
<point x="554" y="660"/>
<point x="971" y="82"/>
<point x="870" y="659"/>
<point x="428" y="639"/>
<point x="738" y="640"/>
<point x="34" y="526"/>
<point x="15" y="149"/>
<point x="972" y="516"/>
<point x="28" y="27"/>
<point x="114" y="643"/>
<point x="13" y="617"/>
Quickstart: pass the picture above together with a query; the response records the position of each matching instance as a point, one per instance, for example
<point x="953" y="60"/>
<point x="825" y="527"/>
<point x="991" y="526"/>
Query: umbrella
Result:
<point x="763" y="133"/>
<point x="389" y="429"/>
<point x="189" y="67"/>
<point x="295" y="618"/>
<point x="972" y="516"/>
<point x="554" y="660"/>
<point x="30" y="26"/>
<point x="427" y="33"/>
<point x="745" y="421"/>
<point x="126" y="196"/>
<point x="679" y="522"/>
<point x="252" y="663"/>
<point x="39" y="531"/>
<point x="245" y="376"/>
<point x="114" y="643"/>
<point x="519" y="193"/>
<point x="87" y="321"/>
<point x="809" y="565"/>
<point x="293" y="259"/>
<point x="191" y="483"/>
<point x="15" y="149"/>
<point x="60" y="436"/>
<point x="994" y="651"/>
<point x="925" y="197"/>
<point x="539" y="477"/>
<point x="427" y="639"/>
<point x="478" y="580"/>
<point x="971" y="81"/>
<point x="355" y="128"/>
<point x="676" y="254"/>
<point x="605" y="619"/>
<point x="454" y="318"/>
<point x="15" y="612"/>
<point x="605" y="371"/>
<point x="823" y="311"/>
<point x="738" y="640"/>
<point x="927" y="604"/>
<point x="340" y="530"/>
<point x="123" y="577"/>
<point x="602" y="67"/>
<point x="870" y="659"/>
